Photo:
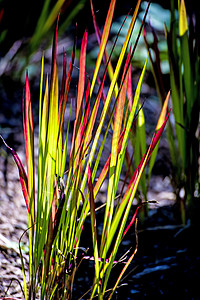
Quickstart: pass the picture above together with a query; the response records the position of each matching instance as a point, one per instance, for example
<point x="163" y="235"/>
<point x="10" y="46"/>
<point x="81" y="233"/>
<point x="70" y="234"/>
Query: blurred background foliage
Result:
<point x="27" y="26"/>
<point x="26" y="30"/>
<point x="183" y="55"/>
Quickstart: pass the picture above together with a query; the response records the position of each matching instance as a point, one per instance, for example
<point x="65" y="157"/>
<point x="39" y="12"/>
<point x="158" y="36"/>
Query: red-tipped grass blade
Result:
<point x="63" y="100"/>
<point x="22" y="175"/>
<point x="87" y="111"/>
<point x="104" y="40"/>
<point x="29" y="144"/>
<point x="76" y="139"/>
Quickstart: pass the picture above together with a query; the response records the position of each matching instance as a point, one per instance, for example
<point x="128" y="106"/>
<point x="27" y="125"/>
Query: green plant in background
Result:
<point x="66" y="191"/>
<point x="19" y="55"/>
<point x="184" y="57"/>
<point x="48" y="17"/>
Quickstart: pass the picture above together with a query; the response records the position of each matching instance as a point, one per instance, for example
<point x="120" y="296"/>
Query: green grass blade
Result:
<point x="185" y="56"/>
<point x="94" y="228"/>
<point x="177" y="99"/>
<point x="140" y="146"/>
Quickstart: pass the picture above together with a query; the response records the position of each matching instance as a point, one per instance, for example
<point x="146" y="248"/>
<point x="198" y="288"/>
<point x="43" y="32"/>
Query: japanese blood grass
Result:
<point x="183" y="56"/>
<point x="65" y="197"/>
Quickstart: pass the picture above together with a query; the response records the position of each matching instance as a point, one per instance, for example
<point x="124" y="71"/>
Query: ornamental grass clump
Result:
<point x="183" y="131"/>
<point x="66" y="190"/>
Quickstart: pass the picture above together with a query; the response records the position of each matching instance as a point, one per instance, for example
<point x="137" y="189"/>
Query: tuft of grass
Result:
<point x="183" y="132"/>
<point x="67" y="189"/>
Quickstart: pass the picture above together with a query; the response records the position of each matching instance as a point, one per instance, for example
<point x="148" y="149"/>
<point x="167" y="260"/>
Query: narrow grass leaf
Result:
<point x="183" y="24"/>
<point x="62" y="104"/>
<point x="103" y="43"/>
<point x="64" y="156"/>
<point x="140" y="145"/>
<point x="177" y="98"/>
<point x="29" y="145"/>
<point x="106" y="57"/>
<point x="44" y="122"/>
<point x="93" y="225"/>
<point x="159" y="124"/>
<point x="75" y="149"/>
<point x="81" y="81"/>
<point x="50" y="236"/>
<point x="53" y="122"/>
<point x="130" y="89"/>
<point x="186" y="61"/>
<point x="22" y="175"/>
<point x="132" y="221"/>
<point x="87" y="111"/>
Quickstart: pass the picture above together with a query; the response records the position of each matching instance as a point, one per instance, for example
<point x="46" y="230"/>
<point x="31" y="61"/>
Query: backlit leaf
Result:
<point x="183" y="24"/>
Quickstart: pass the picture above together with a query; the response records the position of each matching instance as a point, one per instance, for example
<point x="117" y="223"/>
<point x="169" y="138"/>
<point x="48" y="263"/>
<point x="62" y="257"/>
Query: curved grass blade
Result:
<point x="186" y="60"/>
<point x="22" y="175"/>
<point x="29" y="146"/>
<point x="140" y="146"/>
